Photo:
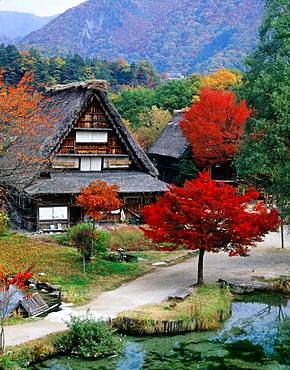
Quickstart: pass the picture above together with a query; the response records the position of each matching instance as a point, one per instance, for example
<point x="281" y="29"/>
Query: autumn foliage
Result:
<point x="214" y="126"/>
<point x="7" y="291"/>
<point x="221" y="79"/>
<point x="98" y="198"/>
<point x="209" y="216"/>
<point x="22" y="125"/>
<point x="17" y="280"/>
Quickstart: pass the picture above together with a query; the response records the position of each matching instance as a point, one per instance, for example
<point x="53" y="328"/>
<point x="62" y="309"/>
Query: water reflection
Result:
<point x="255" y="337"/>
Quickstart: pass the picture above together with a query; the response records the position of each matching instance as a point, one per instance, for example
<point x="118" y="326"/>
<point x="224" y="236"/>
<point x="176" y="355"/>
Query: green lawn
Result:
<point x="63" y="266"/>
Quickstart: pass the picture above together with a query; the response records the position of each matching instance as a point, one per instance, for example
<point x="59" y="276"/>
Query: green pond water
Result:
<point x="257" y="336"/>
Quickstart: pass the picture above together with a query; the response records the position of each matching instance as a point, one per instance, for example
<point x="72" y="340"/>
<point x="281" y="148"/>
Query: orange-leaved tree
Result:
<point x="99" y="198"/>
<point x="8" y="288"/>
<point x="23" y="127"/>
<point x="96" y="199"/>
<point x="214" y="126"/>
<point x="206" y="215"/>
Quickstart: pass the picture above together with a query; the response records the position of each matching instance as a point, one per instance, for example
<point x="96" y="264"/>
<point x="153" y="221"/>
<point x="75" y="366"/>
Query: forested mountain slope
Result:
<point x="183" y="35"/>
<point x="16" y="24"/>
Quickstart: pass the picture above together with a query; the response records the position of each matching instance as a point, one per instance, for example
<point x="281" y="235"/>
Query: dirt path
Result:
<point x="155" y="287"/>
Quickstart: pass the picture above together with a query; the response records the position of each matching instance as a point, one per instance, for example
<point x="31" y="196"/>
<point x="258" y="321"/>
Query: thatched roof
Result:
<point x="66" y="103"/>
<point x="72" y="183"/>
<point x="89" y="84"/>
<point x="171" y="142"/>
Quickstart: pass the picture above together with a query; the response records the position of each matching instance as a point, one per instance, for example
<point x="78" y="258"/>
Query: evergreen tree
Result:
<point x="264" y="158"/>
<point x="73" y="69"/>
<point x="12" y="65"/>
<point x="187" y="170"/>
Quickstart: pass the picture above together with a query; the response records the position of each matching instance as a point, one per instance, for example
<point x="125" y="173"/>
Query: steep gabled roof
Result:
<point x="171" y="142"/>
<point x="66" y="103"/>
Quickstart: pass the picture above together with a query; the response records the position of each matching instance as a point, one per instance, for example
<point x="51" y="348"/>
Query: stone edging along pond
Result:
<point x="205" y="309"/>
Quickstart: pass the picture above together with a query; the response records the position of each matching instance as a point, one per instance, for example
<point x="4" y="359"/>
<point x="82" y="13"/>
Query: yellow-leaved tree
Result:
<point x="221" y="79"/>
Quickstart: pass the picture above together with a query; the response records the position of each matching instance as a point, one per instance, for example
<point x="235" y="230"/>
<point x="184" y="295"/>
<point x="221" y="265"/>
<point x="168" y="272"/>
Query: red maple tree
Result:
<point x="206" y="215"/>
<point x="214" y="126"/>
<point x="99" y="198"/>
<point x="7" y="291"/>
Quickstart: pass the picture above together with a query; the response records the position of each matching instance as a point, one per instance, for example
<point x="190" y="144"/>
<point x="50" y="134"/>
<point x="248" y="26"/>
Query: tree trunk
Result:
<point x="282" y="235"/>
<point x="84" y="265"/>
<point x="2" y="340"/>
<point x="200" y="267"/>
<point x="93" y="241"/>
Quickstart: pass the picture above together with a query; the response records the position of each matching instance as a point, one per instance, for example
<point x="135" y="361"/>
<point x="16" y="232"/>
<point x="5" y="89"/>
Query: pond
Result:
<point x="257" y="336"/>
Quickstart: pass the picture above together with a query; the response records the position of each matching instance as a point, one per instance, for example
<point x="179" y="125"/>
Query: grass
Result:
<point x="279" y="284"/>
<point x="24" y="355"/>
<point x="18" y="320"/>
<point x="62" y="266"/>
<point x="207" y="307"/>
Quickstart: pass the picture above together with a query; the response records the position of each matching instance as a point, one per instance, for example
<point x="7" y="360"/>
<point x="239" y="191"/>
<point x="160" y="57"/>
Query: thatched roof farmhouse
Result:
<point x="88" y="141"/>
<point x="169" y="149"/>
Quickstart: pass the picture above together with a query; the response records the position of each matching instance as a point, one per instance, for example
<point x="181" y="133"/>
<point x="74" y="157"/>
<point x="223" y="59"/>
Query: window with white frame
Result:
<point x="91" y="136"/>
<point x="53" y="213"/>
<point x="91" y="164"/>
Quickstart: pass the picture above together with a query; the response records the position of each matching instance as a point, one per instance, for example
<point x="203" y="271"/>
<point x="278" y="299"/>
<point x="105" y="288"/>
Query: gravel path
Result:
<point x="153" y="288"/>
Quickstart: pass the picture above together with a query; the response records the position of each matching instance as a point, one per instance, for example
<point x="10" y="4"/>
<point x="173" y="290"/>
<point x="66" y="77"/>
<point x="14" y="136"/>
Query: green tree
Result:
<point x="121" y="72"/>
<point x="12" y="65"/>
<point x="102" y="71"/>
<point x="73" y="69"/>
<point x="143" y="73"/>
<point x="131" y="102"/>
<point x="176" y="94"/>
<point x="54" y="69"/>
<point x="187" y="170"/>
<point x="264" y="157"/>
<point x="152" y="122"/>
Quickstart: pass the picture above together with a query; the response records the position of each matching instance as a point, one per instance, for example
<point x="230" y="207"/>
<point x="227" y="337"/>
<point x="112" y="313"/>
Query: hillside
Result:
<point x="15" y="24"/>
<point x="182" y="35"/>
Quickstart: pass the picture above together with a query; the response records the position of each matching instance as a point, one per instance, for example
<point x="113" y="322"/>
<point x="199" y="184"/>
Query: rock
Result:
<point x="44" y="286"/>
<point x="41" y="273"/>
<point x="161" y="263"/>
<point x="66" y="305"/>
<point x="262" y="285"/>
<point x="241" y="290"/>
<point x="55" y="294"/>
<point x="32" y="286"/>
<point x="31" y="281"/>
<point x="55" y="287"/>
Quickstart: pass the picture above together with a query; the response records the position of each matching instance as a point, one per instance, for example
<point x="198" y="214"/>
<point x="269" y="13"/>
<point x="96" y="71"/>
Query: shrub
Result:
<point x="4" y="220"/>
<point x="24" y="355"/>
<point x="101" y="244"/>
<point x="128" y="237"/>
<point x="81" y="236"/>
<point x="89" y="242"/>
<point x="62" y="238"/>
<point x="88" y="338"/>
